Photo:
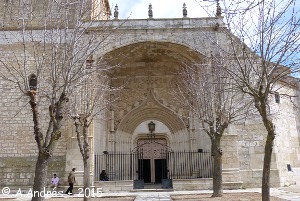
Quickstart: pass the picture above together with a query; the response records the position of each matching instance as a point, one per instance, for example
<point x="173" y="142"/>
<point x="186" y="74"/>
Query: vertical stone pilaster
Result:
<point x="111" y="141"/>
<point x="92" y="153"/>
<point x="74" y="158"/>
<point x="110" y="144"/>
<point x="231" y="169"/>
<point x="192" y="139"/>
<point x="192" y="133"/>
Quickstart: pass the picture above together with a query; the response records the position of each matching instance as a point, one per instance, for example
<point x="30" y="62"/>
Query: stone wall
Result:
<point x="19" y="171"/>
<point x="251" y="141"/>
<point x="18" y="148"/>
<point x="38" y="13"/>
<point x="287" y="141"/>
<point x="230" y="162"/>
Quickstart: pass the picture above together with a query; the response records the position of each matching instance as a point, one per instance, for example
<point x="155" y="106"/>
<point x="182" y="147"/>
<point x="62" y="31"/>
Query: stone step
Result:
<point x="152" y="190"/>
<point x="164" y="197"/>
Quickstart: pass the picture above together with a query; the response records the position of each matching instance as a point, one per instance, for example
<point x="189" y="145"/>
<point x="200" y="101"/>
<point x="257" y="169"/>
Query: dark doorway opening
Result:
<point x="160" y="170"/>
<point x="145" y="170"/>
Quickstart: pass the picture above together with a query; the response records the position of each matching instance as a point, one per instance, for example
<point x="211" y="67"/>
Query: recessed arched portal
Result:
<point x="139" y="67"/>
<point x="135" y="70"/>
<point x="144" y="78"/>
<point x="152" y="150"/>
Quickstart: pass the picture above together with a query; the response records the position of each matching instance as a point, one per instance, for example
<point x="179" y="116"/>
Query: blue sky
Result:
<point x="138" y="9"/>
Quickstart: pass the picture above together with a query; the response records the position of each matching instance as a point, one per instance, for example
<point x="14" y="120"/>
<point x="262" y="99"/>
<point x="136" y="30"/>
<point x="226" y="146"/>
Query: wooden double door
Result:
<point x="152" y="163"/>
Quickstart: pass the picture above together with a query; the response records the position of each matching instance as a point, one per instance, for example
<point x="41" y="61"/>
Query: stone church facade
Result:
<point x="149" y="53"/>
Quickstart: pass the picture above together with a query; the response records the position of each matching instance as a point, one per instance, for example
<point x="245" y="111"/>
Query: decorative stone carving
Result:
<point x="150" y="12"/>
<point x="184" y="10"/>
<point x="116" y="13"/>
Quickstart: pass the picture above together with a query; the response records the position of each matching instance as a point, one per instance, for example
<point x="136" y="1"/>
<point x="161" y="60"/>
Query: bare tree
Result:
<point x="208" y="91"/>
<point x="271" y="29"/>
<point x="48" y="64"/>
<point x="87" y="104"/>
<point x="91" y="98"/>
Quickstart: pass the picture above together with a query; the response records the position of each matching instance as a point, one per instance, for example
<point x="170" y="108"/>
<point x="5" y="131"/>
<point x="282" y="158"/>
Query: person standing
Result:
<point x="72" y="181"/>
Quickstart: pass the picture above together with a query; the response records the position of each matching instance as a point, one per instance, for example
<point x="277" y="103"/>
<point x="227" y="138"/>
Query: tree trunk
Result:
<point x="40" y="178"/>
<point x="41" y="167"/>
<point x="267" y="167"/>
<point x="217" y="173"/>
<point x="86" y="179"/>
<point x="262" y="109"/>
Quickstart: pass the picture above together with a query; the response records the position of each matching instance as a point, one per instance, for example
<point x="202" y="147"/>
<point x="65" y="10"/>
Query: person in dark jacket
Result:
<point x="103" y="176"/>
<point x="72" y="181"/>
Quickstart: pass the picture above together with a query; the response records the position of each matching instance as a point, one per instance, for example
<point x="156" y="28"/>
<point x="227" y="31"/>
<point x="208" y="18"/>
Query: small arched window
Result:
<point x="32" y="82"/>
<point x="277" y="97"/>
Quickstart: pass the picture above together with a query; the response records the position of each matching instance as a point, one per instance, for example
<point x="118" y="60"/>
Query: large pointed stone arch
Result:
<point x="149" y="59"/>
<point x="178" y="52"/>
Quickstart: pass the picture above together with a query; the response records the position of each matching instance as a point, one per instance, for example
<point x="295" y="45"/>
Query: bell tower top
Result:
<point x="100" y="10"/>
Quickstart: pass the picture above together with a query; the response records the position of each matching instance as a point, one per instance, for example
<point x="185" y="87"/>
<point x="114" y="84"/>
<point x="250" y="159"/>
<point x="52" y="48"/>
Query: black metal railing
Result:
<point x="173" y="165"/>
<point x="190" y="165"/>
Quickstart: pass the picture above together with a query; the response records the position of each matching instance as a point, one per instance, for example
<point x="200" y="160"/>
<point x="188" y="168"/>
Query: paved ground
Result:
<point x="288" y="193"/>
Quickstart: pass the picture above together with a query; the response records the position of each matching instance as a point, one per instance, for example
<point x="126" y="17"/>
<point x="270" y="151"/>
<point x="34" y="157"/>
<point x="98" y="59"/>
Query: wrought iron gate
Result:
<point x="176" y="165"/>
